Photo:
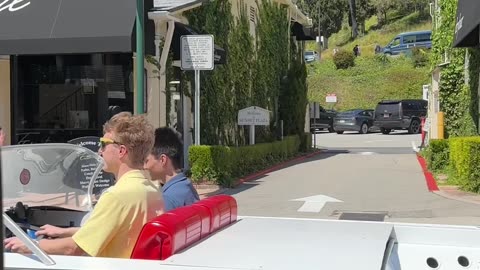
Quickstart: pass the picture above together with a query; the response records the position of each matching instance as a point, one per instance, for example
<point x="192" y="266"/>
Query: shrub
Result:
<point x="419" y="57"/>
<point x="343" y="59"/>
<point x="437" y="155"/>
<point x="465" y="162"/>
<point x="221" y="164"/>
<point x="382" y="58"/>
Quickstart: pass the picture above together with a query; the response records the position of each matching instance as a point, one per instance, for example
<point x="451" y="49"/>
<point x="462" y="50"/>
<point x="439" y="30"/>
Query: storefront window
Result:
<point x="61" y="97"/>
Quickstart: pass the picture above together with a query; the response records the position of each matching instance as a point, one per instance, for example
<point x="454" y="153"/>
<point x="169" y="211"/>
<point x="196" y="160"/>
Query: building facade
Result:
<point x="62" y="76"/>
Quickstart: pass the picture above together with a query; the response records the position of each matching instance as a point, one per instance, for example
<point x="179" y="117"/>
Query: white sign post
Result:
<point x="253" y="116"/>
<point x="331" y="98"/>
<point x="197" y="53"/>
<point x="425" y="91"/>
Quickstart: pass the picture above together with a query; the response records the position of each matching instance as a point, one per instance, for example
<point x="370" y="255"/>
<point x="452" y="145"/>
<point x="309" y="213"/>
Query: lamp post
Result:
<point x="140" y="58"/>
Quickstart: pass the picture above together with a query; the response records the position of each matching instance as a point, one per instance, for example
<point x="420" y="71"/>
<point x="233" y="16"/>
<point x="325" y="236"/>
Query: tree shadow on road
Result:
<point x="252" y="182"/>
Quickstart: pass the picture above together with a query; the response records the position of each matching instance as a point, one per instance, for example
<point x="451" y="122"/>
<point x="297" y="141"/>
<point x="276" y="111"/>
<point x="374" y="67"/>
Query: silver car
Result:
<point x="353" y="120"/>
<point x="311" y="56"/>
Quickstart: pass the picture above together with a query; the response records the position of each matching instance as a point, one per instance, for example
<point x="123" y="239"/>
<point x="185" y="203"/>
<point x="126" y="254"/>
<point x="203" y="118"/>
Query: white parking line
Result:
<point x="366" y="153"/>
<point x="414" y="147"/>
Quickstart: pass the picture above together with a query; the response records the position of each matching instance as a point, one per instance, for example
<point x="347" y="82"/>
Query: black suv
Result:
<point x="400" y="114"/>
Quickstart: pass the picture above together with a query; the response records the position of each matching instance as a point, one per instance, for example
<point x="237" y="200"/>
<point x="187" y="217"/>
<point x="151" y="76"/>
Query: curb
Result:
<point x="212" y="193"/>
<point x="274" y="168"/>
<point x="433" y="187"/>
<point x="456" y="198"/>
<point x="430" y="180"/>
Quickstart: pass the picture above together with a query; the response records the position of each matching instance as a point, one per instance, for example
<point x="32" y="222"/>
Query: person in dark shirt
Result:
<point x="164" y="164"/>
<point x="356" y="50"/>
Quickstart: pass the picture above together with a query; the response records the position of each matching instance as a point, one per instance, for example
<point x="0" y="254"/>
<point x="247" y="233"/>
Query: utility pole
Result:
<point x="140" y="58"/>
<point x="319" y="32"/>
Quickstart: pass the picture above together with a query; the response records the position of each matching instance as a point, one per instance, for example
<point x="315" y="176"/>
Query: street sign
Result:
<point x="197" y="52"/>
<point x="331" y="98"/>
<point x="254" y="115"/>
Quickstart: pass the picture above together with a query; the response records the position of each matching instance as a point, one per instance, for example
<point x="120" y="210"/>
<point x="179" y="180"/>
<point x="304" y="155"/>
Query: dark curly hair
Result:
<point x="169" y="143"/>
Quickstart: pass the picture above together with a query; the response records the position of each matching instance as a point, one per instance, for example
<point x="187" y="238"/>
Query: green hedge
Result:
<point x="221" y="164"/>
<point x="437" y="155"/>
<point x="344" y="59"/>
<point x="465" y="162"/>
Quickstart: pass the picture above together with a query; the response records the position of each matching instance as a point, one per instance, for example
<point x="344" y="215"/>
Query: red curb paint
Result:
<point x="431" y="183"/>
<point x="274" y="168"/>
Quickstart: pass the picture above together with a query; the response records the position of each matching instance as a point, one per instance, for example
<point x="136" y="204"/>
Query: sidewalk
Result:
<point x="454" y="193"/>
<point x="205" y="191"/>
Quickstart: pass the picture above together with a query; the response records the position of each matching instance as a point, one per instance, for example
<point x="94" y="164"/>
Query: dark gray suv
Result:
<point x="400" y="114"/>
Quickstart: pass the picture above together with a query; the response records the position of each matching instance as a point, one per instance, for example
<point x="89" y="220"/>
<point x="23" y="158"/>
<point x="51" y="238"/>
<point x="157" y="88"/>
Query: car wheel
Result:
<point x="330" y="129"/>
<point x="385" y="130"/>
<point x="414" y="127"/>
<point x="340" y="132"/>
<point x="364" y="128"/>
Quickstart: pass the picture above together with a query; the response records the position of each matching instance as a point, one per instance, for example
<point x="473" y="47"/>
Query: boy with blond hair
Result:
<point x="121" y="212"/>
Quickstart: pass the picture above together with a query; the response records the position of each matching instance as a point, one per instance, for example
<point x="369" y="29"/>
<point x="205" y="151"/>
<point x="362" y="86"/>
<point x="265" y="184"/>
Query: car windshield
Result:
<point x="349" y="113"/>
<point x="309" y="53"/>
<point x="55" y="175"/>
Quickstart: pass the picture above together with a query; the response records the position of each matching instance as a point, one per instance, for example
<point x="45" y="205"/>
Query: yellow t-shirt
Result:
<point x="117" y="219"/>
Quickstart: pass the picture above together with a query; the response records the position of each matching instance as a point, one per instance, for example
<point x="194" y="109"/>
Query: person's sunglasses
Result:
<point x="106" y="141"/>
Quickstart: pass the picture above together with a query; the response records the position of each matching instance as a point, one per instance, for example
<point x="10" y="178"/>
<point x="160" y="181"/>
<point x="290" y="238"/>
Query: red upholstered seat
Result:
<point x="178" y="229"/>
<point x="171" y="232"/>
<point x="222" y="209"/>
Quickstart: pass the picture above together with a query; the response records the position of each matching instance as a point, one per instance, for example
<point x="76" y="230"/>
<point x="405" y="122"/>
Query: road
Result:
<point x="365" y="177"/>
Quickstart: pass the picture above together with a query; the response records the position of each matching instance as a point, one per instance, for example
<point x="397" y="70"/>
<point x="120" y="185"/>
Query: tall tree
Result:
<point x="353" y="16"/>
<point x="329" y="12"/>
<point x="383" y="6"/>
<point x="409" y="6"/>
<point x="365" y="9"/>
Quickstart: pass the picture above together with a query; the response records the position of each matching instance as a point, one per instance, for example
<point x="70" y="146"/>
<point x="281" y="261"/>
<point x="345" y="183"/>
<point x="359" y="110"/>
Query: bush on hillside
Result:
<point x="419" y="57"/>
<point x="382" y="58"/>
<point x="344" y="59"/>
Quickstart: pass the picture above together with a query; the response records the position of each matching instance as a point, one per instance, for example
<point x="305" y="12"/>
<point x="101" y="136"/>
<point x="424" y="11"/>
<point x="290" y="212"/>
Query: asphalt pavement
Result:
<point x="360" y="177"/>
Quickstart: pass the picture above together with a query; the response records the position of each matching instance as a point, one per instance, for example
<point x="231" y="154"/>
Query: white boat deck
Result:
<point x="285" y="243"/>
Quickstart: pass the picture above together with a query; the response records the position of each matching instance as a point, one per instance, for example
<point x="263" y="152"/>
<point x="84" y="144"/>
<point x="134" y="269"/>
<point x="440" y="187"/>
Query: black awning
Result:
<point x="72" y="26"/>
<point x="467" y="24"/>
<point x="220" y="55"/>
<point x="302" y="33"/>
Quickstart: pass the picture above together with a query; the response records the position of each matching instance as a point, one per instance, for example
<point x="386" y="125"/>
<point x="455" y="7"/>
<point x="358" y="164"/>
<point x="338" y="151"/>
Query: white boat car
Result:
<point x="55" y="184"/>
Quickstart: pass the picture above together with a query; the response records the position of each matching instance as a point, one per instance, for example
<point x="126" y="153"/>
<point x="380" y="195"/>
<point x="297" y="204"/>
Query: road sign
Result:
<point x="331" y="98"/>
<point x="314" y="204"/>
<point x="197" y="52"/>
<point x="254" y="115"/>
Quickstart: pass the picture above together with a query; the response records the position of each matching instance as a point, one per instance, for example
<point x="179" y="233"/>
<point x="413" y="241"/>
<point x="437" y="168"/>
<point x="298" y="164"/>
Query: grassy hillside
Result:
<point x="371" y="79"/>
<point x="382" y="36"/>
